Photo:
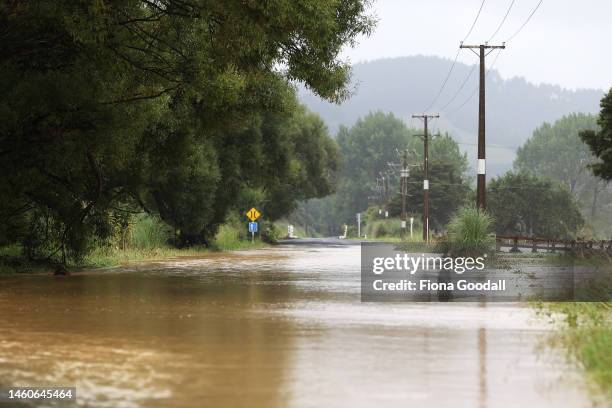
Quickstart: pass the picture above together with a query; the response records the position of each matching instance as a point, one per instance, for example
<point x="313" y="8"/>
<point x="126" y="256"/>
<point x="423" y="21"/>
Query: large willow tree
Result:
<point x="113" y="107"/>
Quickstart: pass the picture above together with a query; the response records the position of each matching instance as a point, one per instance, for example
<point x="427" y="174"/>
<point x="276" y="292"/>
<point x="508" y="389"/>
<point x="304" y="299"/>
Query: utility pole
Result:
<point x="404" y="190"/>
<point x="383" y="189"/>
<point x="484" y="50"/>
<point x="425" y="174"/>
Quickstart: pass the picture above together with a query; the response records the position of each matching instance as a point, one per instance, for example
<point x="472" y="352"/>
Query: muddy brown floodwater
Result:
<point x="280" y="327"/>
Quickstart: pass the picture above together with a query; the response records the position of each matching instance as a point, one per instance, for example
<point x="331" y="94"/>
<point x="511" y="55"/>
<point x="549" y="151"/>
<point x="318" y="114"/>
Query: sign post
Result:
<point x="253" y="215"/>
<point x="411" y="222"/>
<point x="252" y="230"/>
<point x="290" y="231"/>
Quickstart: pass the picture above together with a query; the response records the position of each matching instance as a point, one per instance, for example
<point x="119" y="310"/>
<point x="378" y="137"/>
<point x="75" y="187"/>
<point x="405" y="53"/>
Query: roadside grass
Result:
<point x="585" y="330"/>
<point x="231" y="237"/>
<point x="388" y="229"/>
<point x="105" y="257"/>
<point x="586" y="334"/>
<point x="416" y="238"/>
<point x="298" y="230"/>
<point x="146" y="240"/>
<point x="109" y="257"/>
<point x="469" y="233"/>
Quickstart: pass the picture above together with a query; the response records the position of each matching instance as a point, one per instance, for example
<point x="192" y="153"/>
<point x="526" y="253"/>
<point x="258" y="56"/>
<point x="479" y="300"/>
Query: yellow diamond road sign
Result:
<point x="253" y="214"/>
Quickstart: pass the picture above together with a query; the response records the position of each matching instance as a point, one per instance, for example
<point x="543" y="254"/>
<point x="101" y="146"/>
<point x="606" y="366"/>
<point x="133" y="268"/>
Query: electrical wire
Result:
<point x="476" y="89"/>
<point x="490" y="189"/>
<point x="450" y="71"/>
<point x="460" y="88"/>
<point x="502" y="22"/>
<point x="494" y="34"/>
<point x="474" y="66"/>
<point x="475" y="20"/>
<point x="493" y="145"/>
<point x="526" y="21"/>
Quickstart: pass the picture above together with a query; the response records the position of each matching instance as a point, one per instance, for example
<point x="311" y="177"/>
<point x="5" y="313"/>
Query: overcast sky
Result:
<point x="567" y="42"/>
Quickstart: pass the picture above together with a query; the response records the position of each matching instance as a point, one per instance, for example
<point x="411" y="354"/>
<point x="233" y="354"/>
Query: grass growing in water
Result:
<point x="147" y="238"/>
<point x="587" y="335"/>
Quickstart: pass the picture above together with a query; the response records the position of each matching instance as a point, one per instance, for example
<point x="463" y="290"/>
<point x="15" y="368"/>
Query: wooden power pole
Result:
<point x="404" y="190"/>
<point x="484" y="50"/>
<point x="425" y="174"/>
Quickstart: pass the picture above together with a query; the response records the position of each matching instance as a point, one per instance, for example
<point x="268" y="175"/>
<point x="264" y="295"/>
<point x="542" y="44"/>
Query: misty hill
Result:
<point x="407" y="85"/>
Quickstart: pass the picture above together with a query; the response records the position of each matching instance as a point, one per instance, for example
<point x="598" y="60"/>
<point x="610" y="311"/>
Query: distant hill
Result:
<point x="407" y="85"/>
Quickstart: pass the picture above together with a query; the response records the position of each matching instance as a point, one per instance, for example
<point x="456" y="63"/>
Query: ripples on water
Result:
<point x="269" y="328"/>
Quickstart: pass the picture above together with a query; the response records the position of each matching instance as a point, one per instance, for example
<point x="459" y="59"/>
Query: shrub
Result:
<point x="228" y="237"/>
<point x="469" y="233"/>
<point x="149" y="232"/>
<point x="378" y="229"/>
<point x="269" y="233"/>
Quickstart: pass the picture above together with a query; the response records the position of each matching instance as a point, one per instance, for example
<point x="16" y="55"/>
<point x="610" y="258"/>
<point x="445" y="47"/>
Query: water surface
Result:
<point x="281" y="327"/>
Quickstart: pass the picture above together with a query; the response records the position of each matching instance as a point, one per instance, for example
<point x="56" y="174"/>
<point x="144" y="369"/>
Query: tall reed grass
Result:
<point x="469" y="233"/>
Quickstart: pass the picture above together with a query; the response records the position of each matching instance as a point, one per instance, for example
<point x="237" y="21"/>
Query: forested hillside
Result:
<point x="407" y="85"/>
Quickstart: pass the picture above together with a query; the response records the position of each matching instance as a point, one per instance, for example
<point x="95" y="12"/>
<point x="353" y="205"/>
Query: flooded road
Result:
<point x="280" y="327"/>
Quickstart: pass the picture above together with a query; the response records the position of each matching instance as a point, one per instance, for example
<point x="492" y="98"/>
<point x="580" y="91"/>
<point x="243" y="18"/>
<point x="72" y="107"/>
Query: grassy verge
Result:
<point x="103" y="257"/>
<point x="585" y="329"/>
<point x="586" y="333"/>
<point x="114" y="257"/>
<point x="147" y="242"/>
<point x="298" y="230"/>
<point x="107" y="257"/>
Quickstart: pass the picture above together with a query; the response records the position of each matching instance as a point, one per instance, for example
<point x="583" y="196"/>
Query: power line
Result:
<point x="502" y="22"/>
<point x="526" y="21"/>
<point x="491" y="189"/>
<point x="475" y="89"/>
<point x="475" y="20"/>
<point x="493" y="145"/>
<point x="450" y="71"/>
<point x="460" y="88"/>
<point x="494" y="61"/>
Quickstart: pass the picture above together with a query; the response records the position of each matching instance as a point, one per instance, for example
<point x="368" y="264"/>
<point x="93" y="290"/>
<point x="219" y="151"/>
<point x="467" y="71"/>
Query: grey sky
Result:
<point x="566" y="42"/>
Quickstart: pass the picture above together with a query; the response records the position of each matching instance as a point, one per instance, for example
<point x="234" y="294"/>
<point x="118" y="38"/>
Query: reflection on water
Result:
<point x="270" y="328"/>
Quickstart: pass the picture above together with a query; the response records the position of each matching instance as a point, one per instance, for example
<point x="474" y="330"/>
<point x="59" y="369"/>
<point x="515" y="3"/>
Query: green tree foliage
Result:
<point x="524" y="204"/>
<point x="448" y="183"/>
<point x="600" y="142"/>
<point x="317" y="215"/>
<point x="366" y="148"/>
<point x="276" y="161"/>
<point x="111" y="107"/>
<point x="556" y="151"/>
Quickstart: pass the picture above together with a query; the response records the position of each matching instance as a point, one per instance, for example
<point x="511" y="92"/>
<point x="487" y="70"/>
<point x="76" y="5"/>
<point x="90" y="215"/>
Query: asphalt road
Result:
<point x="327" y="241"/>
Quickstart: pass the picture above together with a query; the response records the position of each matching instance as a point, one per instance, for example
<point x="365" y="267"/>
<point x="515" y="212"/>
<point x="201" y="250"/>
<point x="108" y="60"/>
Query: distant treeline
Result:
<point x="551" y="191"/>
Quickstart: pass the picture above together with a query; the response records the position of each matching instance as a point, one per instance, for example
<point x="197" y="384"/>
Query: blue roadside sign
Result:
<point x="252" y="227"/>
